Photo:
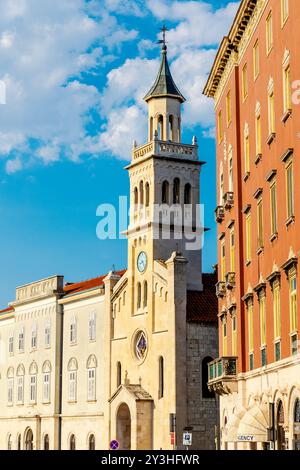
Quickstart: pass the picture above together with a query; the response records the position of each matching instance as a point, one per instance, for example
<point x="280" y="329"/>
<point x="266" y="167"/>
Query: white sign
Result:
<point x="187" y="438"/>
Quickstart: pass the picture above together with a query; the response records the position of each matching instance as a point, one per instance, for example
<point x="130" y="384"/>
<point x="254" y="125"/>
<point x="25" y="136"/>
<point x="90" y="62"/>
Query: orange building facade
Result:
<point x="255" y="86"/>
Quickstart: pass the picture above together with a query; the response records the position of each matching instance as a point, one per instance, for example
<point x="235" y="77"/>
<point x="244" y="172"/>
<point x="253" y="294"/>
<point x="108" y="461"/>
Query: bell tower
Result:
<point x="165" y="184"/>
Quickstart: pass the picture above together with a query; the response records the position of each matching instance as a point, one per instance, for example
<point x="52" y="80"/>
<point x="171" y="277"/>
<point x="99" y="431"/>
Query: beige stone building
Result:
<point x="128" y="351"/>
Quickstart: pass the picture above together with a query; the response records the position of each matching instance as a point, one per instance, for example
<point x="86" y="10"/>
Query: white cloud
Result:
<point x="12" y="166"/>
<point x="43" y="46"/>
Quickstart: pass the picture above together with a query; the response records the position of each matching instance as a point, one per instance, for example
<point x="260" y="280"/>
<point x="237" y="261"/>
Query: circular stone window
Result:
<point x="140" y="345"/>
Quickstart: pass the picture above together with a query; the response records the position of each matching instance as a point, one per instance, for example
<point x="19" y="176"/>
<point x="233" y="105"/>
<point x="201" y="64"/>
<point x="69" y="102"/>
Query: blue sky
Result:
<point x="75" y="74"/>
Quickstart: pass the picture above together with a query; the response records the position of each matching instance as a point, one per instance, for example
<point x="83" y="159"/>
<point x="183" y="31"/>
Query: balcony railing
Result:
<point x="220" y="289"/>
<point x="222" y="375"/>
<point x="220" y="214"/>
<point x="230" y="280"/>
<point x="228" y="200"/>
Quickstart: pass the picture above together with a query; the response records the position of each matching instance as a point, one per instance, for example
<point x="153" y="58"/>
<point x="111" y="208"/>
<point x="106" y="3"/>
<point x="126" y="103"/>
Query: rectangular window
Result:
<point x="284" y="11"/>
<point x="48" y="334"/>
<point x="46" y="387"/>
<point x="287" y="89"/>
<point x="245" y="82"/>
<point x="263" y="353"/>
<point x="21" y="340"/>
<point x="73" y="330"/>
<point x="271" y="109"/>
<point x="269" y="32"/>
<point x="228" y="108"/>
<point x="220" y="127"/>
<point x="10" y="391"/>
<point x="248" y="238"/>
<point x="234" y="336"/>
<point x="224" y="330"/>
<point x="276" y="310"/>
<point x="250" y="327"/>
<point x="290" y="190"/>
<point x="273" y="192"/>
<point x="277" y="351"/>
<point x="72" y="385"/>
<point x="251" y="361"/>
<point x="34" y="337"/>
<point x="33" y="388"/>
<point x="20" y="391"/>
<point x="232" y="251"/>
<point x="260" y="224"/>
<point x="262" y="318"/>
<point x="223" y="261"/>
<point x="92" y="326"/>
<point x="230" y="172"/>
<point x="11" y="344"/>
<point x="293" y="302"/>
<point x="247" y="153"/>
<point x="256" y="60"/>
<point x="91" y="384"/>
<point x="294" y="344"/>
<point x="258" y="135"/>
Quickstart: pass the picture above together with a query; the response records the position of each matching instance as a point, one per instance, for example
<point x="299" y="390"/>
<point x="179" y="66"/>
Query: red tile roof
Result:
<point x="87" y="285"/>
<point x="6" y="310"/>
<point x="203" y="306"/>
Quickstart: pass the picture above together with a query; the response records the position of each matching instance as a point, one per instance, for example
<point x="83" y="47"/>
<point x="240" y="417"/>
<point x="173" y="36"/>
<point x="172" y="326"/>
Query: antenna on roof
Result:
<point x="113" y="268"/>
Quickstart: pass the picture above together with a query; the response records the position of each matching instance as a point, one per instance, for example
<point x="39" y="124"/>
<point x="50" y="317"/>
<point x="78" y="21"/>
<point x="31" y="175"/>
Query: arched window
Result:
<point x="33" y="371"/>
<point x="91" y="377"/>
<point x="188" y="194"/>
<point x="160" y="127"/>
<point x="176" y="191"/>
<point x="92" y="444"/>
<point x="205" y="391"/>
<point x="10" y="385"/>
<point x="136" y="196"/>
<point x="72" y="442"/>
<point x="161" y="377"/>
<point x="297" y="411"/>
<point x="9" y="442"/>
<point x="145" y="294"/>
<point x="139" y="295"/>
<point x="171" y="128"/>
<point x="72" y="371"/>
<point x="46" y="442"/>
<point x="20" y="384"/>
<point x="46" y="369"/>
<point x="119" y="374"/>
<point x="19" y="442"/>
<point x="151" y="129"/>
<point x="165" y="192"/>
<point x="141" y="193"/>
<point x="147" y="195"/>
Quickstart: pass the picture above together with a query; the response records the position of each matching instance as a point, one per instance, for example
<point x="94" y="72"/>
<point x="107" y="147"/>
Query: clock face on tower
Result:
<point x="142" y="262"/>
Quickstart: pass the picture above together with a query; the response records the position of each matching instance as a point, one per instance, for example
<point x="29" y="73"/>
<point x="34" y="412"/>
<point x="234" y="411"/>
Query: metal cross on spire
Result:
<point x="163" y="41"/>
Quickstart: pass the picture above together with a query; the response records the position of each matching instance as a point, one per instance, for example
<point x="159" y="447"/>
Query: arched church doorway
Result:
<point x="124" y="427"/>
<point x="29" y="440"/>
<point x="280" y="427"/>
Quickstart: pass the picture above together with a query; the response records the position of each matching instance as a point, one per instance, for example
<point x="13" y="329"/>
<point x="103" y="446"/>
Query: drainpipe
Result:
<point x="60" y="379"/>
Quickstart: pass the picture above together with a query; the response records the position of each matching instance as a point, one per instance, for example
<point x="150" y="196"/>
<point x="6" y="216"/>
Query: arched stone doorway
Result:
<point x="280" y="427"/>
<point x="28" y="440"/>
<point x="124" y="427"/>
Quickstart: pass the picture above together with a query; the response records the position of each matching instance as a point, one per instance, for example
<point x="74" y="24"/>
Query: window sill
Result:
<point x="290" y="220"/>
<point x="258" y="158"/>
<point x="92" y="401"/>
<point x="274" y="237"/>
<point x="286" y="115"/>
<point x="246" y="176"/>
<point x="271" y="138"/>
<point x="72" y="402"/>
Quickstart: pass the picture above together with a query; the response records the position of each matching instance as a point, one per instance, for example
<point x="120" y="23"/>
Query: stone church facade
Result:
<point x="123" y="356"/>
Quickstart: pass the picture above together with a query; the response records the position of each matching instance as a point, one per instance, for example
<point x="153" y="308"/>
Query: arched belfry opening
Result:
<point x="124" y="427"/>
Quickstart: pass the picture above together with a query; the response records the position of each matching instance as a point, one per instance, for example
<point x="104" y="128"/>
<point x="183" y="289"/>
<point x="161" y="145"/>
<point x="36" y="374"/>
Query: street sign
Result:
<point x="187" y="438"/>
<point x="114" y="445"/>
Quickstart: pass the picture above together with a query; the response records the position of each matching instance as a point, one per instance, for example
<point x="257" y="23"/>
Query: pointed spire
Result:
<point x="164" y="84"/>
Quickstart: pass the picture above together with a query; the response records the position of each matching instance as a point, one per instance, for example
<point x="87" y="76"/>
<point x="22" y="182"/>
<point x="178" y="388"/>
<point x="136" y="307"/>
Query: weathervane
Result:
<point x="163" y="41"/>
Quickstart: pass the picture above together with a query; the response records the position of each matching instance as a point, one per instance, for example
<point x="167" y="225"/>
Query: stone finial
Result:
<point x="127" y="381"/>
<point x="134" y="144"/>
<point x="195" y="140"/>
<point x="155" y="135"/>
